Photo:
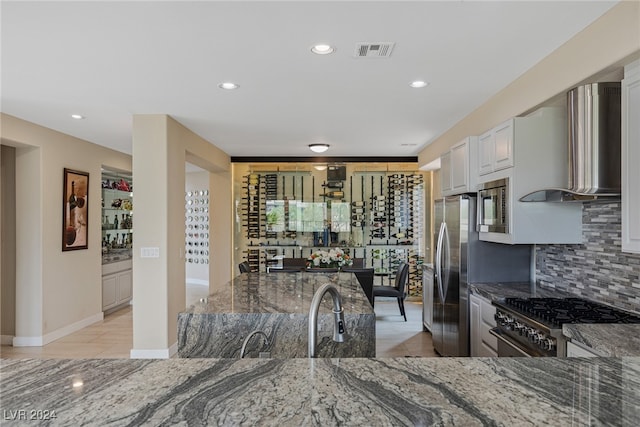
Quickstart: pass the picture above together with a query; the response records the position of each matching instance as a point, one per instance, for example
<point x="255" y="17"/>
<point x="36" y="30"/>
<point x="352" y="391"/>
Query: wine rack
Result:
<point x="383" y="218"/>
<point x="251" y="206"/>
<point x="197" y="227"/>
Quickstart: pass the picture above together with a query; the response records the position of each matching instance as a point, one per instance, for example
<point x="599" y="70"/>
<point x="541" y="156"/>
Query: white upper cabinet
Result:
<point x="445" y="173"/>
<point x="458" y="168"/>
<point x="531" y="153"/>
<point x="631" y="158"/>
<point x="496" y="148"/>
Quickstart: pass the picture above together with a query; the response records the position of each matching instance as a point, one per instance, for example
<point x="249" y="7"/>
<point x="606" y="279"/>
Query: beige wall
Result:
<point x="54" y="289"/>
<point x="161" y="146"/>
<point x="8" y="239"/>
<point x="602" y="48"/>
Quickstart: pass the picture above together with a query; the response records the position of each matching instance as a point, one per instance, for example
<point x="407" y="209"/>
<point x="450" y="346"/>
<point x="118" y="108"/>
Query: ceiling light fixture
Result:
<point x="228" y="86"/>
<point x="418" y="84"/>
<point x="318" y="148"/>
<point x="322" y="49"/>
<point x="320" y="167"/>
<point x="77" y="116"/>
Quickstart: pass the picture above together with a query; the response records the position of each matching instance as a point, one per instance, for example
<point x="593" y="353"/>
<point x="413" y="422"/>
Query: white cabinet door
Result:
<point x="475" y="320"/>
<point x="445" y="173"/>
<point x="574" y="350"/>
<point x="485" y="153"/>
<point x="503" y="145"/>
<point x="125" y="286"/>
<point x="460" y="167"/>
<point x="631" y="159"/>
<point x="427" y="298"/>
<point x="109" y="291"/>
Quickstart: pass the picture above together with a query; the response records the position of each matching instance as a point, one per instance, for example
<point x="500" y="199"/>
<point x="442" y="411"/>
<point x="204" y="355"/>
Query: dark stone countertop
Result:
<point x="324" y="392"/>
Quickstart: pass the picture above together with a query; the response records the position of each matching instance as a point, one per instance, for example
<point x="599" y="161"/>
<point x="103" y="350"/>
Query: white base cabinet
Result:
<point x="574" y="350"/>
<point x="427" y="298"/>
<point x="481" y="321"/>
<point x="117" y="285"/>
<point x="631" y="158"/>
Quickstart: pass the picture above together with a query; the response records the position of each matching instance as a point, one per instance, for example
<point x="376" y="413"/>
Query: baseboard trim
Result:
<point x="6" y="339"/>
<point x="165" y="353"/>
<point x="57" y="334"/>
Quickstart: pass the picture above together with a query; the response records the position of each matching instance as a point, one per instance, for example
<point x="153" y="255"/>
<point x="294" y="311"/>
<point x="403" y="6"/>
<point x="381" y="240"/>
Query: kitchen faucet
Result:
<point x="246" y="341"/>
<point x="338" y="313"/>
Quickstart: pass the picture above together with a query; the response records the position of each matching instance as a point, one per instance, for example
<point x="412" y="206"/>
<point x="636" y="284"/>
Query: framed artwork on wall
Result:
<point x="75" y="210"/>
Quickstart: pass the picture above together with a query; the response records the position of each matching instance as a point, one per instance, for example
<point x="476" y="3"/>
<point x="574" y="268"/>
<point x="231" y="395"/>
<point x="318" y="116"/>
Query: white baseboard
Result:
<point x="6" y="339"/>
<point x="166" y="353"/>
<point x="197" y="282"/>
<point x="39" y="341"/>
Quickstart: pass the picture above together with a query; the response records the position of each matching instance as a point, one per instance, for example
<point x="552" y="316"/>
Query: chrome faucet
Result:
<point x="246" y="341"/>
<point x="338" y="314"/>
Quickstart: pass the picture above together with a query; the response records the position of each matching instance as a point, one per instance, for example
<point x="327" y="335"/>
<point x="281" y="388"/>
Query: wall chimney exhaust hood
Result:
<point x="594" y="146"/>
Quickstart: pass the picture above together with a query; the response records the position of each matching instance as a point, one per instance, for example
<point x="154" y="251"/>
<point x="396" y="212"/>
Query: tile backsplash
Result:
<point x="596" y="269"/>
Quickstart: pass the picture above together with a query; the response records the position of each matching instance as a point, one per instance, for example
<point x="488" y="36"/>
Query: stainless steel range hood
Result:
<point x="593" y="144"/>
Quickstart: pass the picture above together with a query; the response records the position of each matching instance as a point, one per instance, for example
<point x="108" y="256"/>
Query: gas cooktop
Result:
<point x="556" y="311"/>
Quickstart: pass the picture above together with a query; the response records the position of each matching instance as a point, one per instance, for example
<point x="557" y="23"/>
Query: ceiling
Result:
<point x="110" y="60"/>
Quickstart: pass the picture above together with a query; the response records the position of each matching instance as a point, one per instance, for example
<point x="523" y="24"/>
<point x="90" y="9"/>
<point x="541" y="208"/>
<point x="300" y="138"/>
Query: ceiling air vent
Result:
<point x="374" y="50"/>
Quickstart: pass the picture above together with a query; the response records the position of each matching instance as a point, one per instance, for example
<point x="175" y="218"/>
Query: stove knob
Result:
<point x="548" y="344"/>
<point x="535" y="336"/>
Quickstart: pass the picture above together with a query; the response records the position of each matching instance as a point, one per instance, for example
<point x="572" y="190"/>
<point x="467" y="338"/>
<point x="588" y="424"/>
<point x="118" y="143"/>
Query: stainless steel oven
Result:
<point x="493" y="207"/>
<point x="533" y="326"/>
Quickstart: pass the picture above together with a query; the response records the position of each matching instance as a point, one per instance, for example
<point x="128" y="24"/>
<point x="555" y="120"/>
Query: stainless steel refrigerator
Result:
<point x="462" y="259"/>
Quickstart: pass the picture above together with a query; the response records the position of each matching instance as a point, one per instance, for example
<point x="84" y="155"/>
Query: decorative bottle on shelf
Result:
<point x="115" y="222"/>
<point x="333" y="194"/>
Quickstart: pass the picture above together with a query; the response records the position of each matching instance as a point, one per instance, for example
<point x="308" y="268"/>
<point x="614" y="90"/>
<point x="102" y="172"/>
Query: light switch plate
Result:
<point x="149" y="252"/>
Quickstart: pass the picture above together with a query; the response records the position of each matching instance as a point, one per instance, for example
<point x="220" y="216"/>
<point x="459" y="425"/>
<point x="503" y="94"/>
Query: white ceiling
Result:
<point x="109" y="61"/>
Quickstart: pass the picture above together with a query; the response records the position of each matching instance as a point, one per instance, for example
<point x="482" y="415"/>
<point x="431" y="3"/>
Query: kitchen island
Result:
<point x="277" y="305"/>
<point x="323" y="392"/>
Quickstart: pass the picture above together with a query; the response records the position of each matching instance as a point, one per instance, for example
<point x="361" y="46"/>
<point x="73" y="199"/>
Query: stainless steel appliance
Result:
<point x="594" y="115"/>
<point x="462" y="258"/>
<point x="493" y="207"/>
<point x="533" y="326"/>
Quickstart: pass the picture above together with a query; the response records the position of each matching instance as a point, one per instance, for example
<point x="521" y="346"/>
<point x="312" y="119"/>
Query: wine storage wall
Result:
<point x="197" y="226"/>
<point x="385" y="217"/>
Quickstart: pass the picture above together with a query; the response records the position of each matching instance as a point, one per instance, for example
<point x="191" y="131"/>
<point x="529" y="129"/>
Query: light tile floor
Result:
<point x="113" y="337"/>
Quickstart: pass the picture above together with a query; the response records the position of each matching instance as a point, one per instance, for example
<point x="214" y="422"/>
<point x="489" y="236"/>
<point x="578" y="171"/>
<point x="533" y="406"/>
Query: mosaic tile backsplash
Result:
<point x="596" y="269"/>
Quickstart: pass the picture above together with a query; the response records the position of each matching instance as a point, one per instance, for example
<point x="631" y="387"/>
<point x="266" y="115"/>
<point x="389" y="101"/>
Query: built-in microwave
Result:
<point x="493" y="205"/>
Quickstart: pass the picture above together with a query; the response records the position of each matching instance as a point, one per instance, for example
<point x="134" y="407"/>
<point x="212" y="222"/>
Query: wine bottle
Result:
<point x="333" y="194"/>
<point x="73" y="203"/>
<point x="115" y="221"/>
<point x="357" y="204"/>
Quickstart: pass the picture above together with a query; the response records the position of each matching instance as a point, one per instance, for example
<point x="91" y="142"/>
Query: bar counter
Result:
<point x="277" y="304"/>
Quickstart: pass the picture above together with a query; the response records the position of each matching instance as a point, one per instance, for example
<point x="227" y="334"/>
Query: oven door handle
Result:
<point x="498" y="334"/>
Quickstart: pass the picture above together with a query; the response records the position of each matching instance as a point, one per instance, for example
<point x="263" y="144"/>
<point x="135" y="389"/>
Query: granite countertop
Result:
<point x="323" y="392"/>
<point x="609" y="340"/>
<point x="502" y="290"/>
<point x="281" y="293"/>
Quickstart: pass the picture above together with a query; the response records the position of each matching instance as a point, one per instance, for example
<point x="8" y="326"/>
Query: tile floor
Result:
<point x="113" y="337"/>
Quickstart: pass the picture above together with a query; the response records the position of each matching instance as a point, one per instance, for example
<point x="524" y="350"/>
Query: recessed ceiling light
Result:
<point x="418" y="84"/>
<point x="322" y="49"/>
<point x="77" y="116"/>
<point x="228" y="86"/>
<point x="318" y="148"/>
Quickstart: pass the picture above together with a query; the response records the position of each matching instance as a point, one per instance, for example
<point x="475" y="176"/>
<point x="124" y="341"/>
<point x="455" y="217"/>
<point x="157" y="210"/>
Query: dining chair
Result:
<point x="399" y="290"/>
<point x="244" y="267"/>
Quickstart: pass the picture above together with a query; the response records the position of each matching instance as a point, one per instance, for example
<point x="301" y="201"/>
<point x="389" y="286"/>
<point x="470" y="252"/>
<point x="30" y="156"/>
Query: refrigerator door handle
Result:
<point x="439" y="260"/>
<point x="445" y="260"/>
<point x="439" y="255"/>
